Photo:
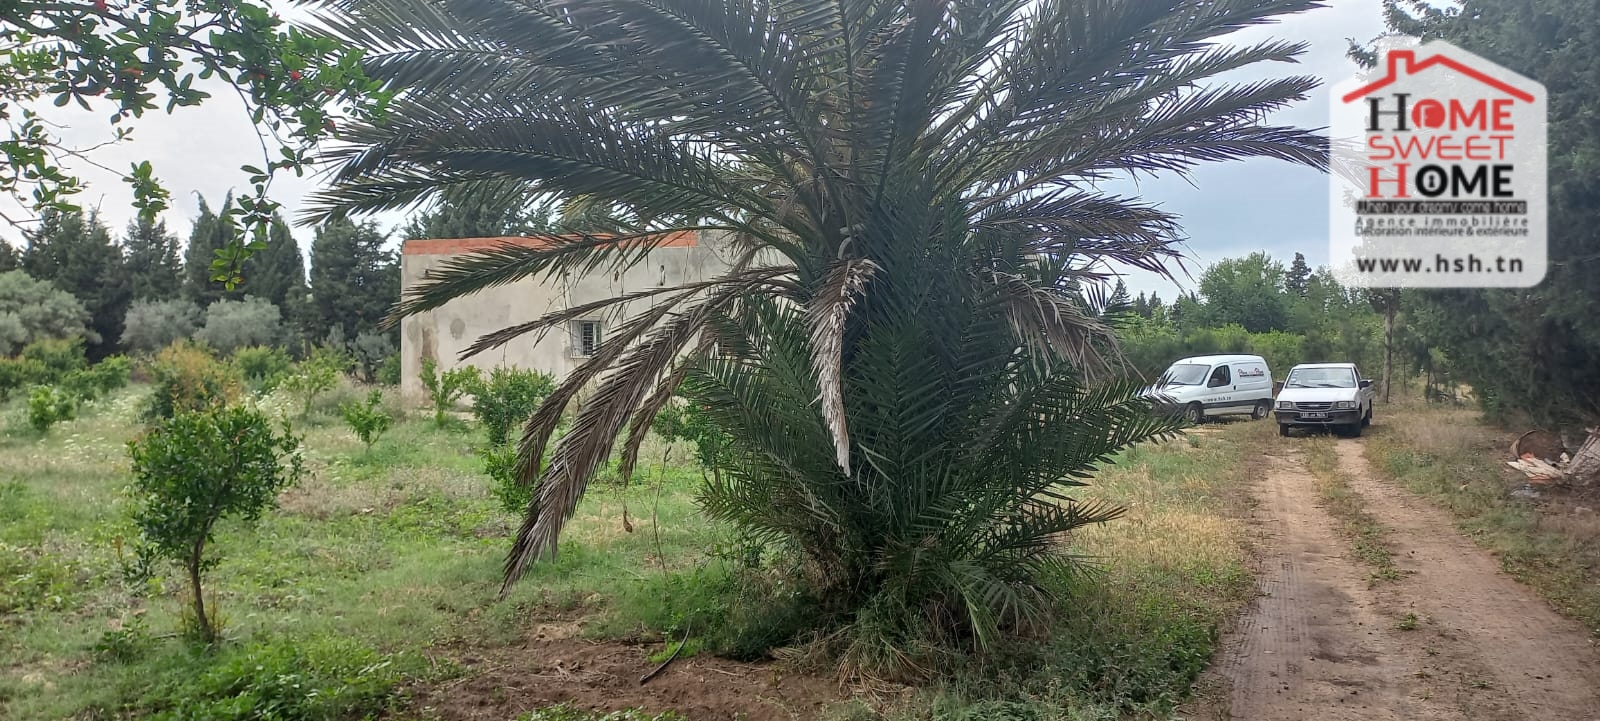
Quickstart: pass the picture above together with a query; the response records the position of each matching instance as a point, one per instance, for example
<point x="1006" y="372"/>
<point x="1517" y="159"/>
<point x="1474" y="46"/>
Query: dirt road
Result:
<point x="1453" y="638"/>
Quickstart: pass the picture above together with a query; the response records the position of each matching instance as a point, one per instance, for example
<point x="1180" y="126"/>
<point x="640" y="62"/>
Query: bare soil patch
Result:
<point x="553" y="666"/>
<point x="1546" y="665"/>
<point x="1317" y="643"/>
<point x="1453" y="638"/>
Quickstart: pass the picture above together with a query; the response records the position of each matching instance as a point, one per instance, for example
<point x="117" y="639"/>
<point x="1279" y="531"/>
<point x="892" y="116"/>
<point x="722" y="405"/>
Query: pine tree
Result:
<point x="10" y="257"/>
<point x="1141" y="306"/>
<point x="278" y="272"/>
<point x="77" y="253"/>
<point x="354" y="280"/>
<point x="37" y="256"/>
<point x="155" y="268"/>
<point x="1119" y="299"/>
<point x="1299" y="274"/>
<point x="211" y="233"/>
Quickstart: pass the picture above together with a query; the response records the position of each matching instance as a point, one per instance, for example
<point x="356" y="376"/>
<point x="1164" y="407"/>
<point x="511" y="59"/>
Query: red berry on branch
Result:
<point x="294" y="74"/>
<point x="100" y="5"/>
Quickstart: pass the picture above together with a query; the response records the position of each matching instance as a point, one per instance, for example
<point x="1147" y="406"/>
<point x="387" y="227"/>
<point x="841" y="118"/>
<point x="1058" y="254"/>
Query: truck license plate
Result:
<point x="1315" y="415"/>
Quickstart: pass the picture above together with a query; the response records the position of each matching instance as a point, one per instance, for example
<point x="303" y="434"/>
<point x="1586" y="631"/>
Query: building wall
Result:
<point x="444" y="333"/>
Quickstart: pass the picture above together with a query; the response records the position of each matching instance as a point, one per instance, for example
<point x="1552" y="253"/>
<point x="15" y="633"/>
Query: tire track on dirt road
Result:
<point x="1542" y="663"/>
<point x="1320" y="643"/>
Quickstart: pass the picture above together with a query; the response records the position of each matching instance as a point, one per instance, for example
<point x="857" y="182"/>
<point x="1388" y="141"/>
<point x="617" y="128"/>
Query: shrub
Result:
<point x="317" y="375"/>
<point x="369" y="420"/>
<point x="263" y="367"/>
<point x="98" y="380"/>
<point x="188" y="378"/>
<point x="58" y="356"/>
<point x="500" y="463"/>
<point x="48" y="405"/>
<point x="684" y="421"/>
<point x="445" y="389"/>
<point x="389" y="372"/>
<point x="151" y="325"/>
<point x="508" y="397"/>
<point x="234" y="324"/>
<point x="19" y="373"/>
<point x="195" y="469"/>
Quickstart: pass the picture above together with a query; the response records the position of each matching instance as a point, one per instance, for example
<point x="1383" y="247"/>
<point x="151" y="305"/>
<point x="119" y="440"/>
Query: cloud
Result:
<point x="1232" y="209"/>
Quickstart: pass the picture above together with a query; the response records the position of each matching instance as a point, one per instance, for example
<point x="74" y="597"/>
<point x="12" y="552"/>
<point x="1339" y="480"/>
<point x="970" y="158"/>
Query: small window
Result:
<point x="1219" y="377"/>
<point x="585" y="337"/>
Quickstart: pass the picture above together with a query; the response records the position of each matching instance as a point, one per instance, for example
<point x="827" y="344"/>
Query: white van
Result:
<point x="1216" y="385"/>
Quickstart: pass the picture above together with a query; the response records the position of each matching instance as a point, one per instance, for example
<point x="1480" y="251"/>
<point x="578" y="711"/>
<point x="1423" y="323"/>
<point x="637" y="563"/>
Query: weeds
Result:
<point x="569" y="713"/>
<point x="284" y="680"/>
<point x="1368" y="537"/>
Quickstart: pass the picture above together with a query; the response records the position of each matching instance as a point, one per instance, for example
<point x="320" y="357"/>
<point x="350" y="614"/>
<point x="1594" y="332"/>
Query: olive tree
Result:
<point x="195" y="469"/>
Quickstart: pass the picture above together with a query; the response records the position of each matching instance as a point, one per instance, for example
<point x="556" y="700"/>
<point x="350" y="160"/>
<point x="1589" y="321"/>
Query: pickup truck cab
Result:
<point x="1327" y="395"/>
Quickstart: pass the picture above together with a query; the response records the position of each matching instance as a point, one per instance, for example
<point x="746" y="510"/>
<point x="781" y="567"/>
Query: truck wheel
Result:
<point x="1283" y="430"/>
<point x="1354" y="430"/>
<point x="1194" y="414"/>
<point x="1366" y="420"/>
<point x="1261" y="410"/>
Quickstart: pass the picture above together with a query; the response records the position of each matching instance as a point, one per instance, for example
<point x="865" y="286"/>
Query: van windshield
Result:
<point x="1320" y="378"/>
<point x="1184" y="374"/>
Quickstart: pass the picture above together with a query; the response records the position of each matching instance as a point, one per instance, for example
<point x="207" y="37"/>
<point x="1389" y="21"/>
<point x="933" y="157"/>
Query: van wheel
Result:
<point x="1283" y="430"/>
<point x="1261" y="410"/>
<point x="1194" y="414"/>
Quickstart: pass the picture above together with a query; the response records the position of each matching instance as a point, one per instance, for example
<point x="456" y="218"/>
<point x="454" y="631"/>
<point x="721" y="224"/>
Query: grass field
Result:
<point x="380" y="568"/>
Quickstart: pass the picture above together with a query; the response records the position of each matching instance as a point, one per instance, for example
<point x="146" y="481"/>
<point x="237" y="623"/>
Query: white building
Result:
<point x="442" y="334"/>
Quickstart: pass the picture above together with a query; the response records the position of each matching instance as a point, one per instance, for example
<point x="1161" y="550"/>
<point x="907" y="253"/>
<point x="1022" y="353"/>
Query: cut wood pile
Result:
<point x="1543" y="458"/>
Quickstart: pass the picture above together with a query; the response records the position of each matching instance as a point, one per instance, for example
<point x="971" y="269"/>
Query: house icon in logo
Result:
<point x="1404" y="63"/>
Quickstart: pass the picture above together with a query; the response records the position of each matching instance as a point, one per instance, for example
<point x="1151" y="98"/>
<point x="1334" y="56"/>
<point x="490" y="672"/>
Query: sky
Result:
<point x="1226" y="210"/>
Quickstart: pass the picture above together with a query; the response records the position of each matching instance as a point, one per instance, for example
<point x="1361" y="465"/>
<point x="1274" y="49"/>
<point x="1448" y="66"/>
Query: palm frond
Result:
<point x="679" y="293"/>
<point x="829" y="311"/>
<point x="595" y="429"/>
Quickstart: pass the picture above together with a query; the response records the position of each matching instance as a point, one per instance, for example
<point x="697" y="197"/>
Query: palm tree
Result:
<point x="906" y="353"/>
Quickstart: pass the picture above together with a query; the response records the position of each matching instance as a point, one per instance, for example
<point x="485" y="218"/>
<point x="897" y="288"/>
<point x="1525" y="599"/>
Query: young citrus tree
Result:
<point x="369" y="420"/>
<point x="315" y="376"/>
<point x="196" y="469"/>
<point x="506" y="398"/>
<point x="444" y="389"/>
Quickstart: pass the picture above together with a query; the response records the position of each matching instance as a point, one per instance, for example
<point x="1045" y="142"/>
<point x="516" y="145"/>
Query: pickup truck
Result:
<point x="1329" y="395"/>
